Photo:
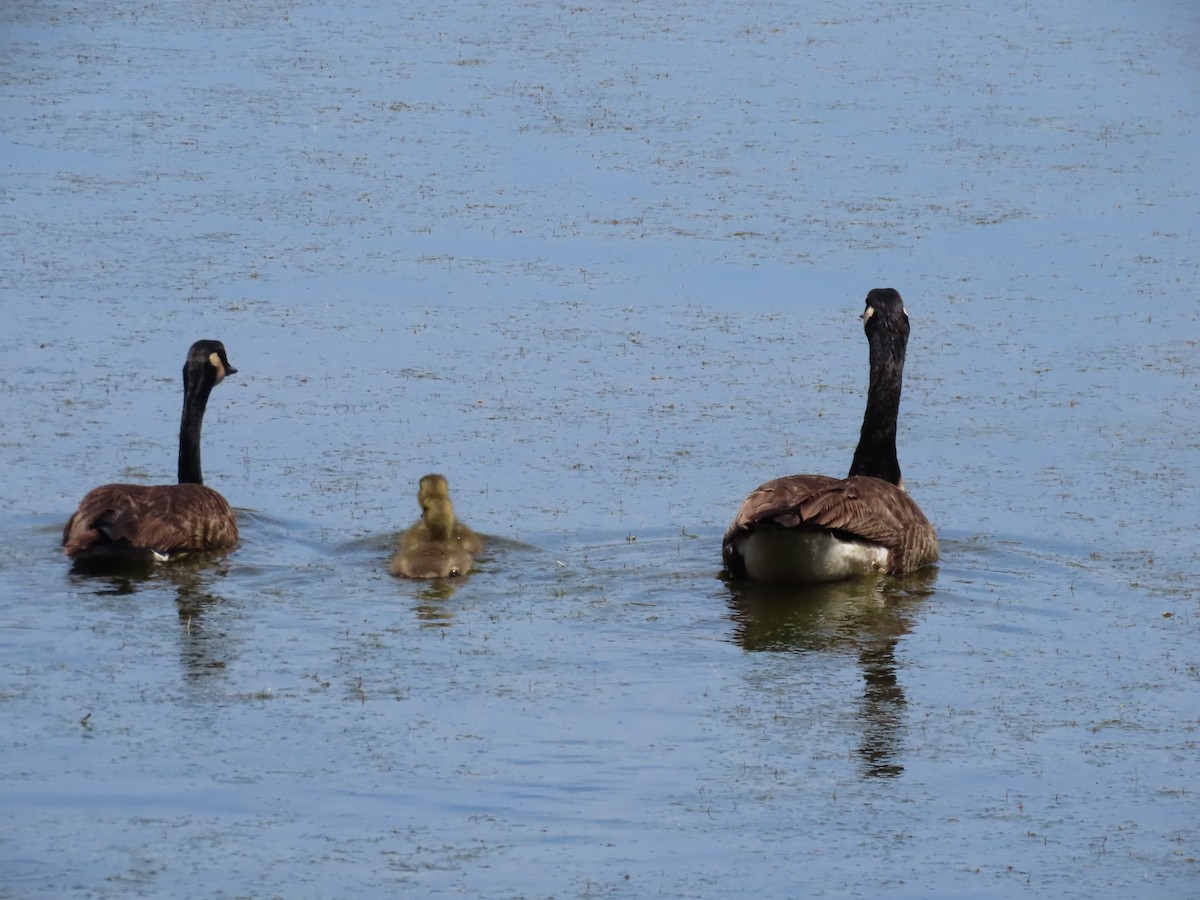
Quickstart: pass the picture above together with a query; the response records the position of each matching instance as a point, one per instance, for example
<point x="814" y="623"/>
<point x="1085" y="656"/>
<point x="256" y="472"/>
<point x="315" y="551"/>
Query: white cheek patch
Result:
<point x="867" y="313"/>
<point x="215" y="362"/>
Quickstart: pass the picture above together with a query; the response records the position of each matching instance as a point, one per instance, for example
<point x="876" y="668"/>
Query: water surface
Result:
<point x="602" y="267"/>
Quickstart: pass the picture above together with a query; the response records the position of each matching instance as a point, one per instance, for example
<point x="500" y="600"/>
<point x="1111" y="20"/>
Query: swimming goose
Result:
<point x="815" y="528"/>
<point x="437" y="545"/>
<point x="131" y="522"/>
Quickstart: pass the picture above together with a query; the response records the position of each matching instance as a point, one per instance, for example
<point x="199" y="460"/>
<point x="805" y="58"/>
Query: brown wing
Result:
<point x="863" y="508"/>
<point x="120" y="519"/>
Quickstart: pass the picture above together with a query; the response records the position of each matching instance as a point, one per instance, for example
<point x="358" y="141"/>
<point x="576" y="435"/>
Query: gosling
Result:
<point x="437" y="545"/>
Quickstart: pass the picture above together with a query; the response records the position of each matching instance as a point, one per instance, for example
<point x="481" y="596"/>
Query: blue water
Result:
<point x="603" y="267"/>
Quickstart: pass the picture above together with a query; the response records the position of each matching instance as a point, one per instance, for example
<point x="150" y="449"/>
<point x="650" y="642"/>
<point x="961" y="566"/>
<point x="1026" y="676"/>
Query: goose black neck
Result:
<point x="196" y="389"/>
<point x="876" y="452"/>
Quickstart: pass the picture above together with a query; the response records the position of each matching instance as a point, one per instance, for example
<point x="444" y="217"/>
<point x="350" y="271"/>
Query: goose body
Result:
<point x="130" y="522"/>
<point x="437" y="545"/>
<point x="818" y="528"/>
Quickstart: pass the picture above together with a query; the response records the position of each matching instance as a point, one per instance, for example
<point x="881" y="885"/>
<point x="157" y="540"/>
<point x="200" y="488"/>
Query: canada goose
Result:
<point x="128" y="522"/>
<point x="437" y="545"/>
<point x="813" y="528"/>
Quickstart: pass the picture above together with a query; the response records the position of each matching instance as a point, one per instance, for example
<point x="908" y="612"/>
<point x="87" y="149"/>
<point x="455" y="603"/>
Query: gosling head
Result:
<point x="432" y="486"/>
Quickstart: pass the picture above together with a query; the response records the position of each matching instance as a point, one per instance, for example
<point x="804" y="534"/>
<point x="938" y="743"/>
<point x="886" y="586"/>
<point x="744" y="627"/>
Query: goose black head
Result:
<point x="885" y="310"/>
<point x="207" y="358"/>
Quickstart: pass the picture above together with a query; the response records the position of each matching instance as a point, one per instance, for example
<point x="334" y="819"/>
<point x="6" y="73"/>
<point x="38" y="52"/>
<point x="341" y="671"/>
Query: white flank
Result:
<point x="783" y="555"/>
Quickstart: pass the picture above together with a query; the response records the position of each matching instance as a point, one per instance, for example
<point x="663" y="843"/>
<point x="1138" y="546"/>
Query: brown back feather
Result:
<point x="118" y="519"/>
<point x="860" y="507"/>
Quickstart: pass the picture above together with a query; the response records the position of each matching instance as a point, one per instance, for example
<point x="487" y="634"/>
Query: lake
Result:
<point x="602" y="266"/>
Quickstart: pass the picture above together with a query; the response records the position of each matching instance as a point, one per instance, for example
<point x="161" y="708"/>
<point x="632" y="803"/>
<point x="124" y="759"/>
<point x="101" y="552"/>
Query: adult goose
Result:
<point x="437" y="545"/>
<point x="133" y="522"/>
<point x="817" y="528"/>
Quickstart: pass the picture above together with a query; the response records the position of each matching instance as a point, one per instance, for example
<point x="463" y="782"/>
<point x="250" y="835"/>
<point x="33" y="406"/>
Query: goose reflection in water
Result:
<point x="865" y="617"/>
<point x="203" y="649"/>
<point x="431" y="603"/>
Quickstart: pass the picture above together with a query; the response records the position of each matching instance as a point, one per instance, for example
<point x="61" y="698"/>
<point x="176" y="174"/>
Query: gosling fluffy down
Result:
<point x="437" y="545"/>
